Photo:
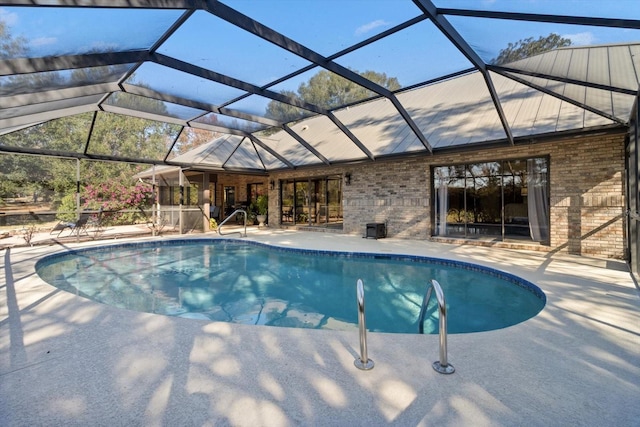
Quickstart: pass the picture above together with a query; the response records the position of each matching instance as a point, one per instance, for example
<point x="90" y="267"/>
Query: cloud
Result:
<point x="363" y="29"/>
<point x="101" y="46"/>
<point x="581" y="39"/>
<point x="7" y="17"/>
<point x="43" y="41"/>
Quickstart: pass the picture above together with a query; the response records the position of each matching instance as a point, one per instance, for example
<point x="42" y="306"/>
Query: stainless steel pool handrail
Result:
<point x="440" y="366"/>
<point x="363" y="362"/>
<point x="237" y="211"/>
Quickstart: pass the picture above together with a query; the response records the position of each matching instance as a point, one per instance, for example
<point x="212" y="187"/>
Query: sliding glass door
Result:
<point x="311" y="201"/>
<point x="492" y="200"/>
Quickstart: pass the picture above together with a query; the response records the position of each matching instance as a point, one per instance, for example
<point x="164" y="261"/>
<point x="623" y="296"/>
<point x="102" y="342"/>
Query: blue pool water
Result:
<point x="251" y="283"/>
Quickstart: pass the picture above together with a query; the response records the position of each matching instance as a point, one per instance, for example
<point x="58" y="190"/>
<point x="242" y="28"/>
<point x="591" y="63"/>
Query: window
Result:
<point x="255" y="190"/>
<point x="507" y="199"/>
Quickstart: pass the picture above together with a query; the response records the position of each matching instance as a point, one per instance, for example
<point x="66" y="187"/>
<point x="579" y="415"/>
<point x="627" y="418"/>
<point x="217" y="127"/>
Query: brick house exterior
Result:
<point x="587" y="194"/>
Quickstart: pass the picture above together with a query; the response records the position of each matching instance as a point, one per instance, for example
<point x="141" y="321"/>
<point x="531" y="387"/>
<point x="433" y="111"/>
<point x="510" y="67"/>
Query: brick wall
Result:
<point x="586" y="183"/>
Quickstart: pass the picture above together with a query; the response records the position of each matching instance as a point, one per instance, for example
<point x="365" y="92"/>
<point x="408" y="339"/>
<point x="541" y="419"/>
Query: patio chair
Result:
<point x="80" y="226"/>
<point x="287" y="213"/>
<point x="95" y="221"/>
<point x="61" y="226"/>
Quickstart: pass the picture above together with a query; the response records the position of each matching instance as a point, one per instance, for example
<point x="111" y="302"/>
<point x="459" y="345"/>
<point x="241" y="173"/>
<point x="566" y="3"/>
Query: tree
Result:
<point x="10" y="47"/>
<point x="284" y="112"/>
<point x="528" y="47"/>
<point x="192" y="138"/>
<point x="54" y="180"/>
<point x="328" y="90"/>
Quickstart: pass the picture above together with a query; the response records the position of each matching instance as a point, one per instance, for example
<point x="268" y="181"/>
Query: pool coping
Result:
<point x="576" y="362"/>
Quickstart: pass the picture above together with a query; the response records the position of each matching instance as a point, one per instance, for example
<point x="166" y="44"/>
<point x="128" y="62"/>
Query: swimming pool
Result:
<point x="247" y="282"/>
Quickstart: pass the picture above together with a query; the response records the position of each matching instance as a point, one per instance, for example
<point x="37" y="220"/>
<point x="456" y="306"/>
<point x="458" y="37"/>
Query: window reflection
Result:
<point x="315" y="202"/>
<point x="493" y="200"/>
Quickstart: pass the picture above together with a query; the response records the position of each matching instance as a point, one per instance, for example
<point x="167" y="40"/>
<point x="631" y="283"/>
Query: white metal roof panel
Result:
<point x="598" y="70"/>
<point x="599" y="99"/>
<point x="536" y="63"/>
<point x="560" y="66"/>
<point x="323" y="135"/>
<point x="245" y="156"/>
<point x="635" y="57"/>
<point x="547" y="116"/>
<point x="610" y="65"/>
<point x="578" y="68"/>
<point x="570" y="117"/>
<point x="625" y="75"/>
<point x="214" y="153"/>
<point x="529" y="101"/>
<point x="287" y="146"/>
<point x="622" y="105"/>
<point x="269" y="160"/>
<point x="379" y="126"/>
<point x="512" y="96"/>
<point x="456" y="111"/>
<point x="593" y="119"/>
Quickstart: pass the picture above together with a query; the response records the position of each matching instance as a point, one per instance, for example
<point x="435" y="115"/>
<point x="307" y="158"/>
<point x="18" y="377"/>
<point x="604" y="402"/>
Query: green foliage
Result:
<point x="118" y="135"/>
<point x="252" y="211"/>
<point x="285" y="112"/>
<point x="329" y="90"/>
<point x="262" y="204"/>
<point x="528" y="47"/>
<point x="55" y="178"/>
<point x="67" y="210"/>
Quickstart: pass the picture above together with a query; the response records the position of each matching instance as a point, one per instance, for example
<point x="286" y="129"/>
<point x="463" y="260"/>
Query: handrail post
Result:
<point x="363" y="362"/>
<point x="231" y="216"/>
<point x="441" y="366"/>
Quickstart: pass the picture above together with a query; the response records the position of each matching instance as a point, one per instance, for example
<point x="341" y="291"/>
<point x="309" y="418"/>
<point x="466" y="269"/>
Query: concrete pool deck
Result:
<point x="67" y="361"/>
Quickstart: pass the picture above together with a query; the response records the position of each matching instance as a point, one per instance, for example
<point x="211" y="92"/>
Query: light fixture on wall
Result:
<point x="347" y="178"/>
<point x="272" y="185"/>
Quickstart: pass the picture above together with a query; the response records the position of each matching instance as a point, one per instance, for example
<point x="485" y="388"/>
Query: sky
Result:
<point x="416" y="54"/>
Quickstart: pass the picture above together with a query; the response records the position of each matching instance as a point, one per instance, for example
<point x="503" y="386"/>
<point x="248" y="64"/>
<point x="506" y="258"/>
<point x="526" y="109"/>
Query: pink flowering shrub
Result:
<point x="113" y="198"/>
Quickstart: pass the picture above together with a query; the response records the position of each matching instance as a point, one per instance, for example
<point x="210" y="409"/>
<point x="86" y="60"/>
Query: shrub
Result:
<point x="67" y="211"/>
<point x="115" y="197"/>
<point x="262" y="204"/>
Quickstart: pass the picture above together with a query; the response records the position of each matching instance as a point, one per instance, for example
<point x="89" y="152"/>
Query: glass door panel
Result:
<point x="334" y="200"/>
<point x="455" y="207"/>
<point x="483" y="200"/>
<point x="301" y="207"/>
<point x="229" y="200"/>
<point x="287" y="214"/>
<point x="319" y="201"/>
<point x="516" y="209"/>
